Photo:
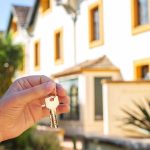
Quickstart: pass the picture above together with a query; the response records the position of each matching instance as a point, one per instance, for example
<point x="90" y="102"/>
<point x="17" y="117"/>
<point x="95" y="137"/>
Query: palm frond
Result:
<point x="143" y="110"/>
<point x="138" y="117"/>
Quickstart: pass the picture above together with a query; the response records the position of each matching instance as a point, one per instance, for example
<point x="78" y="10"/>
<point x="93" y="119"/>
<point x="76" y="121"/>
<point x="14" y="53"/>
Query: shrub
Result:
<point x="33" y="140"/>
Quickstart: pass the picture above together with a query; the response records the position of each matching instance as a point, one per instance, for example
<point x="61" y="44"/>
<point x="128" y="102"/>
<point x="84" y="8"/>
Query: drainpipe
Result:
<point x="71" y="6"/>
<point x="74" y="18"/>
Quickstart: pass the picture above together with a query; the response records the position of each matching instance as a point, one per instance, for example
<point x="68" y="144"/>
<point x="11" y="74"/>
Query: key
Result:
<point x="51" y="103"/>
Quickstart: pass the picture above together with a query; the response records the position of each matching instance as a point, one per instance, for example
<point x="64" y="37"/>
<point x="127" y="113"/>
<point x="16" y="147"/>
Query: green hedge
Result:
<point x="33" y="140"/>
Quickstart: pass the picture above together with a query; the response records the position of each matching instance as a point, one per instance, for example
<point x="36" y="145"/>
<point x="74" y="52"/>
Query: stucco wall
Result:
<point x="91" y="125"/>
<point x="118" y="96"/>
<point x="119" y="44"/>
<point x="87" y="123"/>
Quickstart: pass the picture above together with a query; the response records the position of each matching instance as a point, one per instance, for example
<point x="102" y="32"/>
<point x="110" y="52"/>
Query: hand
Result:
<point x="20" y="107"/>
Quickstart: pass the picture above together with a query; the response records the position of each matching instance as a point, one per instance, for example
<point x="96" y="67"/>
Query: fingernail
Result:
<point x="59" y="86"/>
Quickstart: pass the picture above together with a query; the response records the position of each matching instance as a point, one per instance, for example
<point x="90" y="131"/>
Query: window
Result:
<point x="58" y="54"/>
<point x="142" y="69"/>
<point x="14" y="27"/>
<point x="22" y="68"/>
<point x="95" y="24"/>
<point x="37" y="55"/>
<point x="74" y="111"/>
<point x="140" y="16"/>
<point x="143" y="12"/>
<point x="143" y="72"/>
<point x="45" y="5"/>
<point x="99" y="97"/>
<point x="71" y="87"/>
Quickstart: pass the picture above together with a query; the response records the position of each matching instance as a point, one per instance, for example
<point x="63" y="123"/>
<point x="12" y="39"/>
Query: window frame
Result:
<point x="136" y="29"/>
<point x="23" y="67"/>
<point x="37" y="67"/>
<point x="60" y="60"/>
<point x="14" y="27"/>
<point x="95" y="43"/>
<point x="44" y="9"/>
<point x="138" y="64"/>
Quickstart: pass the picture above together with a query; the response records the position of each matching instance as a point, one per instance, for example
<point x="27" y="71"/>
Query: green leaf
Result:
<point x="11" y="59"/>
<point x="138" y="117"/>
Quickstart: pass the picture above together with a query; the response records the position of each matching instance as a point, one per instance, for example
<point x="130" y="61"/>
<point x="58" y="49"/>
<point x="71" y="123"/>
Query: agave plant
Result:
<point x="139" y="117"/>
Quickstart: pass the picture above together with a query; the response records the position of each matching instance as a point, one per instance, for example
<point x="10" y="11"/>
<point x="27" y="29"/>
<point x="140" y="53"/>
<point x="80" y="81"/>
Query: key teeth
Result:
<point x="53" y="120"/>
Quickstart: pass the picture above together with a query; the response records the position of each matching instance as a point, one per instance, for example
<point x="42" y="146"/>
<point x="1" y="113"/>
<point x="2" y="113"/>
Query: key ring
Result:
<point x="51" y="97"/>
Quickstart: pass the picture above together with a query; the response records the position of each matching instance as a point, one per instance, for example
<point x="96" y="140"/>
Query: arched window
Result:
<point x="71" y="87"/>
<point x="74" y="107"/>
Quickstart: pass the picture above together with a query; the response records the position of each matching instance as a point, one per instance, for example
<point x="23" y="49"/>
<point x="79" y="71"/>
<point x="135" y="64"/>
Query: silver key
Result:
<point x="51" y="103"/>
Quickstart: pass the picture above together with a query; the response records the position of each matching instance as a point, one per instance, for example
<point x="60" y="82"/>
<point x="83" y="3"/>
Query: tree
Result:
<point x="11" y="59"/>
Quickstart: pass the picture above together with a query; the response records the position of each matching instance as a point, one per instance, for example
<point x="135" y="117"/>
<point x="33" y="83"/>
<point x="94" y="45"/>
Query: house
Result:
<point x="80" y="44"/>
<point x="16" y="27"/>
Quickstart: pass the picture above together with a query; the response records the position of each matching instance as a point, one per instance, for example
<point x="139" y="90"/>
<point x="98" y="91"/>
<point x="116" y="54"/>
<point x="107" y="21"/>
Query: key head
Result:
<point x="52" y="103"/>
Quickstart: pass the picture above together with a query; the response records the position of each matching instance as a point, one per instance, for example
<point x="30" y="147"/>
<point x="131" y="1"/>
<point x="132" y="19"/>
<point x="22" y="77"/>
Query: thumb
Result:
<point x="36" y="92"/>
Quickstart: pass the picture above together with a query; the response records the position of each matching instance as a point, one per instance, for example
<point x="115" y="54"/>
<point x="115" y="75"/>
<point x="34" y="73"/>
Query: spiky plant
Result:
<point x="139" y="117"/>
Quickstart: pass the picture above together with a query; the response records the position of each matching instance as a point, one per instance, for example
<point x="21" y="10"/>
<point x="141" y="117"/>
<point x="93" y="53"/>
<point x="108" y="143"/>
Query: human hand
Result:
<point x="20" y="107"/>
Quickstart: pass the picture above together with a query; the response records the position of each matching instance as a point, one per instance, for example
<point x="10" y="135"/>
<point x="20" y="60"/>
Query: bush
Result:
<point x="45" y="141"/>
<point x="33" y="140"/>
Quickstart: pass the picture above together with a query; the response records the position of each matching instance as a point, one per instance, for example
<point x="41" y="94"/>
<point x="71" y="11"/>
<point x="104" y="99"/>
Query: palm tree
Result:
<point x="11" y="59"/>
<point x="138" y="118"/>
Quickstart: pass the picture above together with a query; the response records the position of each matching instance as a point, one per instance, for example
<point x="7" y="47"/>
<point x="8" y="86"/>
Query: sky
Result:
<point x="5" y="7"/>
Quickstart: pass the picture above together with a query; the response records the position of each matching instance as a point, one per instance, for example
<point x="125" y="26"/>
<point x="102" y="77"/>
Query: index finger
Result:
<point x="60" y="91"/>
<point x="37" y="79"/>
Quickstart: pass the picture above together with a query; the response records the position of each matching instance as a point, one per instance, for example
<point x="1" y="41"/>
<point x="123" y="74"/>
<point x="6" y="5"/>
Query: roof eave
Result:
<point x="63" y="74"/>
<point x="84" y="70"/>
<point x="9" y="24"/>
<point x="32" y="15"/>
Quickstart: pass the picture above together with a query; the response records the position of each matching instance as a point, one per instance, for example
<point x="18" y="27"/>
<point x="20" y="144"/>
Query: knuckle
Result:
<point x="45" y="79"/>
<point x="43" y="76"/>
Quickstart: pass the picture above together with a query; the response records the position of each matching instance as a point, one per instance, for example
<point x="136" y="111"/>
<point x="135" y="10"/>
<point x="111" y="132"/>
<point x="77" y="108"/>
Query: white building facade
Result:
<point x="111" y="35"/>
<point x="119" y="43"/>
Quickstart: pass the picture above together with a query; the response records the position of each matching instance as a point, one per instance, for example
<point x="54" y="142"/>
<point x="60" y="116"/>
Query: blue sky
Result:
<point x="5" y="7"/>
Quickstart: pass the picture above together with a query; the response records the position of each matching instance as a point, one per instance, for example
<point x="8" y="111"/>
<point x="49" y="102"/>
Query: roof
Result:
<point x="21" y="12"/>
<point x="33" y="13"/>
<point x="99" y="64"/>
<point x="26" y="15"/>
